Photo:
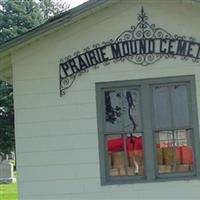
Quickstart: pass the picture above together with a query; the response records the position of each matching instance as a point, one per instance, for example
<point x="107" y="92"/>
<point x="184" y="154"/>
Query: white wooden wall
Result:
<point x="57" y="145"/>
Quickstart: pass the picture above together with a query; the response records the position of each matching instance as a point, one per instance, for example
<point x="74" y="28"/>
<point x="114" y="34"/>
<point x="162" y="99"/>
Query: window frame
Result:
<point x="149" y="140"/>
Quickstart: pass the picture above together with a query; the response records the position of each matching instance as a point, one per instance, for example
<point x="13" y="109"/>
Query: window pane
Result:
<point x="116" y="156"/>
<point x="113" y="111"/>
<point x="125" y="155"/>
<point x="135" y="153"/>
<point x="122" y="110"/>
<point x="161" y="102"/>
<point x="180" y="106"/>
<point x="131" y="110"/>
<point x="174" y="151"/>
<point x="184" y="150"/>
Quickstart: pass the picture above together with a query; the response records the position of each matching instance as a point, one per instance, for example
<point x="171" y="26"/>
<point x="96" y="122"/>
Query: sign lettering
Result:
<point x="144" y="44"/>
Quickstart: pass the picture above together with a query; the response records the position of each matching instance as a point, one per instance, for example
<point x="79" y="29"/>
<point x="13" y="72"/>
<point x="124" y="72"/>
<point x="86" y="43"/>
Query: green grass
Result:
<point x="8" y="191"/>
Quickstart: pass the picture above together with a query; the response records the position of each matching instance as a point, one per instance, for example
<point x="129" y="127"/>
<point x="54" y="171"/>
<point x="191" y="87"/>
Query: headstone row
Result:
<point x="6" y="169"/>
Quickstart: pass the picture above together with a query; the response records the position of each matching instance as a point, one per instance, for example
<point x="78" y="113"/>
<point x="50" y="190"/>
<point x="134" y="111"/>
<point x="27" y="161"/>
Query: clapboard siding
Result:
<point x="70" y="112"/>
<point x="91" y="186"/>
<point x="40" y="86"/>
<point x="53" y="128"/>
<point x="52" y="100"/>
<point x="45" y="158"/>
<point x="60" y="172"/>
<point x="118" y="71"/>
<point x="58" y="142"/>
<point x="57" y="139"/>
<point x="138" y="194"/>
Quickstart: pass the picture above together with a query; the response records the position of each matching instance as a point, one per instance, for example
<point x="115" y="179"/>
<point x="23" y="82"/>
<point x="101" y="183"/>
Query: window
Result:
<point x="148" y="130"/>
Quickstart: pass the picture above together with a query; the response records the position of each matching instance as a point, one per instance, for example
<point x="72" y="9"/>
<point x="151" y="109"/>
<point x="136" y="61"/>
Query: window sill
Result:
<point x="138" y="180"/>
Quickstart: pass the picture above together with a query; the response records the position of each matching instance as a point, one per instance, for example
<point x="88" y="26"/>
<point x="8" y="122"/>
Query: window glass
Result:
<point x="180" y="105"/>
<point x="174" y="151"/>
<point x="161" y="102"/>
<point x="113" y="111"/>
<point x="131" y="110"/>
<point x="125" y="155"/>
<point x="146" y="130"/>
<point x="122" y="110"/>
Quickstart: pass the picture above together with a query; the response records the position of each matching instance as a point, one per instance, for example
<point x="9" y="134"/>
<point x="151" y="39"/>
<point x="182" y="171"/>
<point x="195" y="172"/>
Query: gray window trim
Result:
<point x="149" y="139"/>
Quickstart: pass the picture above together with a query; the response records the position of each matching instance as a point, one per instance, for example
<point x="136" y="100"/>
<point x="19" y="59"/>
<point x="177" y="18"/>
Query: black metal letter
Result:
<point x="92" y="56"/>
<point x="103" y="54"/>
<point x="198" y="52"/>
<point x="189" y="51"/>
<point x="142" y="44"/>
<point x="82" y="63"/>
<point x="116" y="50"/>
<point x="170" y="47"/>
<point x="65" y="68"/>
<point x="125" y="48"/>
<point x="151" y="46"/>
<point x="133" y="49"/>
<point x="163" y="50"/>
<point x="181" y="48"/>
<point x="73" y="66"/>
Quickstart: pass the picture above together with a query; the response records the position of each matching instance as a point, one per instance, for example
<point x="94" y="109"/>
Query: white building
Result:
<point x="126" y="129"/>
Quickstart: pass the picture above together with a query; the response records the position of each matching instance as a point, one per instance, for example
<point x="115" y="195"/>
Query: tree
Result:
<point x="16" y="18"/>
<point x="7" y="139"/>
<point x="51" y="8"/>
<point x="20" y="16"/>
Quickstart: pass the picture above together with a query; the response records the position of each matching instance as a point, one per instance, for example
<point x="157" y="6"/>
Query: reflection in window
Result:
<point x="125" y="155"/>
<point x="157" y="115"/>
<point x="122" y="110"/>
<point x="174" y="151"/>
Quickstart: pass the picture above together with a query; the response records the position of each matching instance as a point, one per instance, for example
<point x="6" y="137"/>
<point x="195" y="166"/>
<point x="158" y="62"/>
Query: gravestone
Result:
<point x="11" y="156"/>
<point x="2" y="156"/>
<point x="6" y="172"/>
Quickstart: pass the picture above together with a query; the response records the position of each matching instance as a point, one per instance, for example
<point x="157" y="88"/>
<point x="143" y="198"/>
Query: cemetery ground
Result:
<point x="8" y="191"/>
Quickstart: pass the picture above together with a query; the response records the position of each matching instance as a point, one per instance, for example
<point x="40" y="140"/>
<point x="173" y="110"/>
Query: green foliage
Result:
<point x="7" y="139"/>
<point x="20" y="16"/>
<point x="51" y="8"/>
<point x="17" y="17"/>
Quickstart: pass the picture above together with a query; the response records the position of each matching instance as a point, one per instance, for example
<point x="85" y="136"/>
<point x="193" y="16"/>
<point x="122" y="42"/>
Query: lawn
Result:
<point x="8" y="191"/>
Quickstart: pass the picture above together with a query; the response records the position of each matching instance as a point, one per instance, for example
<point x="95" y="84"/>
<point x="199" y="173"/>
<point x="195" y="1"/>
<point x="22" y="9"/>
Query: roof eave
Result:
<point x="53" y="25"/>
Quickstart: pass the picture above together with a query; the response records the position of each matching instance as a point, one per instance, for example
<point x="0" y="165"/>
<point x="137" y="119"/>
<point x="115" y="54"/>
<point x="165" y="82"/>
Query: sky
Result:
<point x="74" y="3"/>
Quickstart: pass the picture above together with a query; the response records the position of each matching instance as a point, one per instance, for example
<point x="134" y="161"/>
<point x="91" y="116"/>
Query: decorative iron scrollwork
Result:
<point x="143" y="44"/>
<point x="144" y="30"/>
<point x="66" y="83"/>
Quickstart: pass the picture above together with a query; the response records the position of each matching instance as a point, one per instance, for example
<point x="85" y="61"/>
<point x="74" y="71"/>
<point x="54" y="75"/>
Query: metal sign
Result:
<point x="144" y="44"/>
